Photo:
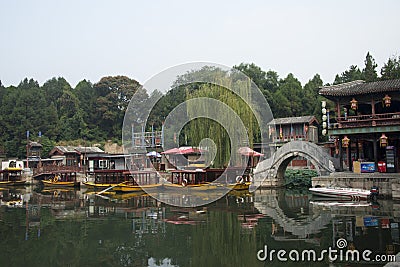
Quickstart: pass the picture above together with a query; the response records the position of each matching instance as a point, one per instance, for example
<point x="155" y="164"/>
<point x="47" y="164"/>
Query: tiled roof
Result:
<point x="360" y="87"/>
<point x="293" y="120"/>
<point x="89" y="149"/>
<point x="79" y="149"/>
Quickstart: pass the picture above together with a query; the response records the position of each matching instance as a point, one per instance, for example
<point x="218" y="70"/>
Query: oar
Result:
<point x="111" y="187"/>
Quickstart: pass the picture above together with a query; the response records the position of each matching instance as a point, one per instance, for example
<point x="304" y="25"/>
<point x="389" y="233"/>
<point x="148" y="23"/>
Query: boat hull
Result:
<point x="239" y="186"/>
<point x="341" y="193"/>
<point x="135" y="188"/>
<point x="12" y="183"/>
<point x="197" y="187"/>
<point x="99" y="185"/>
<point x="60" y="184"/>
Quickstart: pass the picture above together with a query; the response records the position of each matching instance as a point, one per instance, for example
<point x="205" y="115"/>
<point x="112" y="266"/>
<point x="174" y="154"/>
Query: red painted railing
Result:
<point x="369" y="120"/>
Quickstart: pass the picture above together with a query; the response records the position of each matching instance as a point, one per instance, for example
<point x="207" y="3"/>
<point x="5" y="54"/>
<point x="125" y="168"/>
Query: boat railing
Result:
<point x="55" y="168"/>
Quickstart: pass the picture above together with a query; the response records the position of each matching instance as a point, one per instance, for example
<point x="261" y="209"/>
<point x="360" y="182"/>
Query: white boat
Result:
<point x="340" y="203"/>
<point x="341" y="193"/>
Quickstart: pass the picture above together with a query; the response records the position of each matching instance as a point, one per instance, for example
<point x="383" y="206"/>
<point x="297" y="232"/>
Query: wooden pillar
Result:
<point x="373" y="107"/>
<point x="338" y="111"/>
<point x="375" y="147"/>
<point x="340" y="154"/>
<point x="373" y="112"/>
<point x="349" y="159"/>
<point x="357" y="150"/>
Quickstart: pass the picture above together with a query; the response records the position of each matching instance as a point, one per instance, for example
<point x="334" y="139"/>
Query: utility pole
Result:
<point x="27" y="149"/>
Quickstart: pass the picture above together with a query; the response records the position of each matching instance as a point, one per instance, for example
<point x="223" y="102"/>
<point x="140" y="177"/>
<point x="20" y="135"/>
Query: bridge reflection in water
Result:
<point x="77" y="228"/>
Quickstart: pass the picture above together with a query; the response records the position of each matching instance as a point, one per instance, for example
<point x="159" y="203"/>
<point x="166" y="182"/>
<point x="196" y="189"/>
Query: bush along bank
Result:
<point x="299" y="178"/>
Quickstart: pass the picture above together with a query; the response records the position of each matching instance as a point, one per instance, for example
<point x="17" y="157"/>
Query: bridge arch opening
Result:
<point x="285" y="161"/>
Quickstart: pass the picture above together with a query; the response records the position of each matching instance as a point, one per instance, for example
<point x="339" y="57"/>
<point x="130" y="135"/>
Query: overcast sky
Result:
<point x="91" y="39"/>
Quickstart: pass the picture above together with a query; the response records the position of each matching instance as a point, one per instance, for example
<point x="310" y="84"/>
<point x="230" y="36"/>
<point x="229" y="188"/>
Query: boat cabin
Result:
<point x="188" y="177"/>
<point x="11" y="175"/>
<point x="64" y="176"/>
<point x="109" y="176"/>
<point x="143" y="177"/>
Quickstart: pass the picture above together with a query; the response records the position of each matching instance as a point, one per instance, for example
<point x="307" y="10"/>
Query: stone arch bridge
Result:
<point x="270" y="172"/>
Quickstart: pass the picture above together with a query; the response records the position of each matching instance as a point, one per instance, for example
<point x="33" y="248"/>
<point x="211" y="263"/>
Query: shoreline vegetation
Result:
<point x="91" y="113"/>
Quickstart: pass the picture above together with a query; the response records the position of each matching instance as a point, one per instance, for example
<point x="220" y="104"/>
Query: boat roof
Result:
<point x="63" y="171"/>
<point x="12" y="169"/>
<point x="109" y="171"/>
<point x="189" y="171"/>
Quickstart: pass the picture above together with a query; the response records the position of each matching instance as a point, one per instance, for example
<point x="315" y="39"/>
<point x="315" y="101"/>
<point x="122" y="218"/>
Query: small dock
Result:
<point x="388" y="183"/>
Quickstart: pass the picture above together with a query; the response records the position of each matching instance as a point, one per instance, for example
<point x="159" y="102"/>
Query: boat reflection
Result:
<point x="11" y="197"/>
<point x="135" y="228"/>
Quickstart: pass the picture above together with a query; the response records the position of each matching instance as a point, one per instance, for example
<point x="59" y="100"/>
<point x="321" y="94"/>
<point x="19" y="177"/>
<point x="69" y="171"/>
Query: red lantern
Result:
<point x="387" y="101"/>
<point x="353" y="104"/>
<point x="383" y="140"/>
<point x="345" y="141"/>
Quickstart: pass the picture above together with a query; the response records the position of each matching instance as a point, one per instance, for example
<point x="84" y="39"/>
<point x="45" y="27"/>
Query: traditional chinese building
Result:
<point x="283" y="130"/>
<point x="34" y="150"/>
<point x="365" y="124"/>
<point x="75" y="155"/>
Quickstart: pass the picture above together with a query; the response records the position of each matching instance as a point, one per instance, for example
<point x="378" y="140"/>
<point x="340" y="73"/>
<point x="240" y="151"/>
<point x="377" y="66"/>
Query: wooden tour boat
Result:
<point x="196" y="179"/>
<point x="11" y="176"/>
<point x="103" y="179"/>
<point x="239" y="186"/>
<point x="232" y="178"/>
<point x="122" y="181"/>
<point x="137" y="181"/>
<point x="62" y="179"/>
<point x="241" y="182"/>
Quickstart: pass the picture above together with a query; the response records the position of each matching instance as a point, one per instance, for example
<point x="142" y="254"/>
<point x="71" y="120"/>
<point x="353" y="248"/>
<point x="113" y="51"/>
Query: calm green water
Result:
<point x="72" y="228"/>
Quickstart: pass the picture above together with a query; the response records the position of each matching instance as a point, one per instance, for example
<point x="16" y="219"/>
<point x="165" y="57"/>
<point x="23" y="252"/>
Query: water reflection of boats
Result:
<point x="126" y="196"/>
<point x="62" y="179"/>
<point x="63" y="202"/>
<point x="11" y="198"/>
<point x="186" y="216"/>
<point x="11" y="176"/>
<point x="249" y="221"/>
<point x="340" y="203"/>
<point x="56" y="191"/>
<point x="112" y="195"/>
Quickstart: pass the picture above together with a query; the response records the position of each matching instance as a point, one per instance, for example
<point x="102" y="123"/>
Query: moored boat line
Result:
<point x="342" y="193"/>
<point x="11" y="176"/>
<point x="62" y="179"/>
<point x="124" y="181"/>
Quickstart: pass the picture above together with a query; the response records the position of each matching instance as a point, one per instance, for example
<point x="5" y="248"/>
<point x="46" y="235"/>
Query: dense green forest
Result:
<point x="93" y="113"/>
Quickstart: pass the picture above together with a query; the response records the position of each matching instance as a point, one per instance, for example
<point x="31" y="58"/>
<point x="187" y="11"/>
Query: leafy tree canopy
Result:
<point x="95" y="112"/>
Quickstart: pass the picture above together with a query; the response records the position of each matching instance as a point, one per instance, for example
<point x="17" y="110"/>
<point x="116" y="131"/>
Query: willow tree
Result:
<point x="201" y="128"/>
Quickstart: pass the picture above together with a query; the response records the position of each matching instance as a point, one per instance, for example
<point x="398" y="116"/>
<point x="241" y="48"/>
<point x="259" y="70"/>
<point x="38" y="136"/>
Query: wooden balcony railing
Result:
<point x="55" y="168"/>
<point x="289" y="138"/>
<point x="369" y="120"/>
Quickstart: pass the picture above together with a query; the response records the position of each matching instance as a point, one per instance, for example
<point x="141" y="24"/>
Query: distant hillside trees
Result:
<point x="94" y="112"/>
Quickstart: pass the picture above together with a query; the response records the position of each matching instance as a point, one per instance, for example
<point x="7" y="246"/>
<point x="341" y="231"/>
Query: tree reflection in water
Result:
<point x="70" y="228"/>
